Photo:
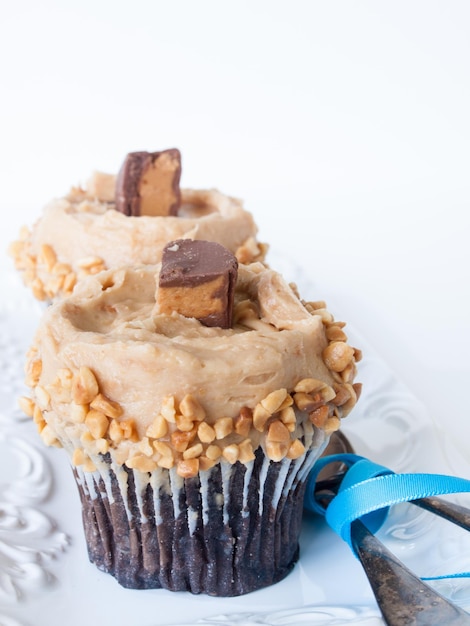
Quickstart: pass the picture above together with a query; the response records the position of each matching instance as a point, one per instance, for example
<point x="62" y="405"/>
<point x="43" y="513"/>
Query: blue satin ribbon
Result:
<point x="368" y="490"/>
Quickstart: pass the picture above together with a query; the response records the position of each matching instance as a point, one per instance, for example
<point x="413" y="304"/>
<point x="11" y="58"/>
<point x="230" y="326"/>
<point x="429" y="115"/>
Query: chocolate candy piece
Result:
<point x="148" y="183"/>
<point x="197" y="279"/>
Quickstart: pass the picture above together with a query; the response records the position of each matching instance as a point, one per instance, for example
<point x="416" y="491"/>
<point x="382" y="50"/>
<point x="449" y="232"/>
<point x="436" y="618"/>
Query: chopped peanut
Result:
<point x="43" y="397"/>
<point x="97" y="423"/>
<point x="309" y="385"/>
<point x="166" y="462"/>
<point x="319" y="416"/>
<point x="84" y="386"/>
<point x="260" y="417"/>
<point x="129" y="429"/>
<point x="115" y="432"/>
<point x="205" y="463"/>
<point x="307" y="402"/>
<point x="168" y="409"/>
<point x="223" y="427"/>
<point x="33" y="372"/>
<point x="243" y="422"/>
<point x="213" y="452"/>
<point x="191" y="409"/>
<point x="48" y="256"/>
<point x="296" y="449"/>
<point x="163" y="448"/>
<point x="205" y="432"/>
<point x="274" y="400"/>
<point x="335" y="333"/>
<point x="231" y="453"/>
<point x="337" y="355"/>
<point x="193" y="452"/>
<point x="276" y="450"/>
<point x="183" y="423"/>
<point x="78" y="412"/>
<point x="79" y="456"/>
<point x="332" y="424"/>
<point x="180" y="440"/>
<point x="141" y="463"/>
<point x="49" y="437"/>
<point x="288" y="418"/>
<point x="106" y="406"/>
<point x="246" y="453"/>
<point x="26" y="405"/>
<point x="145" y="446"/>
<point x="187" y="468"/>
<point x="277" y="432"/>
<point x="158" y="428"/>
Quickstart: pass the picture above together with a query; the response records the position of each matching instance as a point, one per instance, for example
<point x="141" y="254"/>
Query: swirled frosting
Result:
<point x="82" y="234"/>
<point x="111" y="374"/>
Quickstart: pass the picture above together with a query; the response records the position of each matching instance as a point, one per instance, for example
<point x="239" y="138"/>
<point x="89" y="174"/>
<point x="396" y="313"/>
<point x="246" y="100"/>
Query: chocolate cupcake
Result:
<point x="127" y="220"/>
<point x="191" y="429"/>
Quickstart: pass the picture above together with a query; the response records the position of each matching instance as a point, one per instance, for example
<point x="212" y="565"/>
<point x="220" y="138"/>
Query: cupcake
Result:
<point x="192" y="398"/>
<point x="127" y="220"/>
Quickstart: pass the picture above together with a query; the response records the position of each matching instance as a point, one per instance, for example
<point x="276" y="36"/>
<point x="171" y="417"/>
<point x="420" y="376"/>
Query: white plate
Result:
<point x="45" y="576"/>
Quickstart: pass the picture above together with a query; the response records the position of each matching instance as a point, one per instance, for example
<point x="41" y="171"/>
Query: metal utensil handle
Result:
<point x="454" y="513"/>
<point x="403" y="598"/>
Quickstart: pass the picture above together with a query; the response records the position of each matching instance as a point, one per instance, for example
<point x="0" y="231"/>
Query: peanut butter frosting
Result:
<point x="111" y="375"/>
<point x="82" y="234"/>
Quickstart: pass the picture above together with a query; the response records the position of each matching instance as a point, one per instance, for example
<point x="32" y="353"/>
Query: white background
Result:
<point x="344" y="126"/>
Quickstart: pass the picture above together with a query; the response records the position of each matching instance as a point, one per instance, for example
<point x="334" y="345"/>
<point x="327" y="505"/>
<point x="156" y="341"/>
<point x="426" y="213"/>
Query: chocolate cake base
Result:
<point x="230" y="531"/>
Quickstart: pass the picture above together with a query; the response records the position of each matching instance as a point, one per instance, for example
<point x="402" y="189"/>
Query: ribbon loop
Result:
<point x="368" y="490"/>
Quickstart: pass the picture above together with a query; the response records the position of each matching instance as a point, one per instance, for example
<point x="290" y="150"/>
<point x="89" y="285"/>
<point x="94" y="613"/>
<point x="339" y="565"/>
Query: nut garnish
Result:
<point x="85" y="386"/>
<point x="45" y="274"/>
<point x="274" y="400"/>
<point x="319" y="416"/>
<point x="338" y="355"/>
<point x="223" y="427"/>
<point x="243" y="422"/>
<point x="26" y="405"/>
<point x="183" y="433"/>
<point x="260" y="417"/>
<point x="180" y="440"/>
<point x="245" y="449"/>
<point x="48" y="256"/>
<point x="213" y="452"/>
<point x="287" y="417"/>
<point x="276" y="450"/>
<point x="191" y="408"/>
<point x="142" y="463"/>
<point x="43" y="397"/>
<point x="187" y="468"/>
<point x="278" y="432"/>
<point x="231" y="453"/>
<point x="307" y="402"/>
<point x="168" y="409"/>
<point x="97" y="423"/>
<point x="251" y="251"/>
<point x="296" y="449"/>
<point x="78" y="412"/>
<point x="193" y="452"/>
<point x="205" y="432"/>
<point x="106" y="406"/>
<point x="158" y="428"/>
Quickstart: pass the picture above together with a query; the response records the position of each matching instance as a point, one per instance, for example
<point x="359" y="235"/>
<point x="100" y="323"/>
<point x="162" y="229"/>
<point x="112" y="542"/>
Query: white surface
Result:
<point x="343" y="125"/>
<point x="47" y="580"/>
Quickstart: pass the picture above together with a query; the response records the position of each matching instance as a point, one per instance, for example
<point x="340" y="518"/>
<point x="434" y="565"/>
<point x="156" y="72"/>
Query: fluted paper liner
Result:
<point x="228" y="531"/>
